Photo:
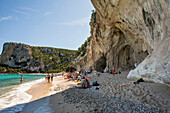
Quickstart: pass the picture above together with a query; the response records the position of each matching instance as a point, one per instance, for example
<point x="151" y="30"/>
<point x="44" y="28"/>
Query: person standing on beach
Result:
<point x="48" y="78"/>
<point x="21" y="79"/>
<point x="52" y="77"/>
<point x="113" y="71"/>
<point x="135" y="65"/>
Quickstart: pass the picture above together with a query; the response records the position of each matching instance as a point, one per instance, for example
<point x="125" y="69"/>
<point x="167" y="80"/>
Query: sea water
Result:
<point x="13" y="94"/>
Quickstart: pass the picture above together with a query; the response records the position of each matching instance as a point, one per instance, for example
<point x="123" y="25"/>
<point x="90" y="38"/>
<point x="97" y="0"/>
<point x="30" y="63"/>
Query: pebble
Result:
<point x="106" y="99"/>
<point x="91" y="101"/>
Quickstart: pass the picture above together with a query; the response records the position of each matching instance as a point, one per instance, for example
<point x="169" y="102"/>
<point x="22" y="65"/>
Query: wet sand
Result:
<point x="40" y="90"/>
<point x="46" y="97"/>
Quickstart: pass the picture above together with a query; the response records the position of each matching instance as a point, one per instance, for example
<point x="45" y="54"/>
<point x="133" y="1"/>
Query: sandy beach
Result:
<point x="40" y="90"/>
<point x="44" y="88"/>
<point x="61" y="97"/>
<point x="46" y="97"/>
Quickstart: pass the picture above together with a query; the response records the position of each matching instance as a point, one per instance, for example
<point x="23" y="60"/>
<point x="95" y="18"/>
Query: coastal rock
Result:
<point x="125" y="32"/>
<point x="15" y="55"/>
<point x="35" y="59"/>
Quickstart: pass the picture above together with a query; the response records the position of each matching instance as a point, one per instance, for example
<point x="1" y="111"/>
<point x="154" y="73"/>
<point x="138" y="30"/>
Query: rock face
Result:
<point x="16" y="55"/>
<point x="125" y="32"/>
<point x="35" y="59"/>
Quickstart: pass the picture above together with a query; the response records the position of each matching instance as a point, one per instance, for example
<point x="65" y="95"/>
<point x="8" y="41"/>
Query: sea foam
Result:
<point x="14" y="100"/>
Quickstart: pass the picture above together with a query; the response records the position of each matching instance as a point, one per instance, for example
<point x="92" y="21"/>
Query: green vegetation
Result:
<point x="48" y="58"/>
<point x="5" y="69"/>
<point x="82" y="50"/>
<point x="53" y="59"/>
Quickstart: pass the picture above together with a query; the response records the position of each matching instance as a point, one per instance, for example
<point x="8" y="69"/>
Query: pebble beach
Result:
<point x="63" y="97"/>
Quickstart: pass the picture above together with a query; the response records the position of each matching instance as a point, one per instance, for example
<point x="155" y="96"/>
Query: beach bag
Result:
<point x="99" y="75"/>
<point x="139" y="80"/>
<point x="95" y="83"/>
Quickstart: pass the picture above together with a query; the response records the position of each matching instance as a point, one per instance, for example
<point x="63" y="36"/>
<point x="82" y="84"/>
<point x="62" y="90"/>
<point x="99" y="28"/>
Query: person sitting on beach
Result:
<point x="21" y="79"/>
<point x="84" y="84"/>
<point x="74" y="76"/>
<point x="78" y="78"/>
<point x="48" y="78"/>
<point x="87" y="84"/>
<point x="63" y="73"/>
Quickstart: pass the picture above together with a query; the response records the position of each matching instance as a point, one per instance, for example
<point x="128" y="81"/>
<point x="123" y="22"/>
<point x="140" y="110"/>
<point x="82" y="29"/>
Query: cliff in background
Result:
<point x="35" y="59"/>
<point x="128" y="31"/>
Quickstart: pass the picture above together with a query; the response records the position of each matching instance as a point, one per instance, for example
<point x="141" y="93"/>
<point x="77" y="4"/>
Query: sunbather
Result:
<point x="85" y="84"/>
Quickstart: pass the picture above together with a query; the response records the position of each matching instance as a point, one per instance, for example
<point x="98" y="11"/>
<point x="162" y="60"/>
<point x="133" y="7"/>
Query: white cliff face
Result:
<point x="155" y="67"/>
<point x="128" y="31"/>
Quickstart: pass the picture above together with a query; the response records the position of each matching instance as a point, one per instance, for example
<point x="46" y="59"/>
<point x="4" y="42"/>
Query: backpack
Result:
<point x="95" y="83"/>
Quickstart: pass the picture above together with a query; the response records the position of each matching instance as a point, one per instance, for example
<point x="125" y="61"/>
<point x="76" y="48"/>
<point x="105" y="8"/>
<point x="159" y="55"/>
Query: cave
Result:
<point x="127" y="57"/>
<point x="100" y="64"/>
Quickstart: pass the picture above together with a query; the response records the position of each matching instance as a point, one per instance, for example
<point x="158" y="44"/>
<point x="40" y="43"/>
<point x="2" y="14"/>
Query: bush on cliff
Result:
<point x="54" y="60"/>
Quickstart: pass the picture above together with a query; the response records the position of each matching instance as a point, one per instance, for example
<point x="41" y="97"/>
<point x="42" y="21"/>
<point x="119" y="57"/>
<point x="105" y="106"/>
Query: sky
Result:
<point x="51" y="23"/>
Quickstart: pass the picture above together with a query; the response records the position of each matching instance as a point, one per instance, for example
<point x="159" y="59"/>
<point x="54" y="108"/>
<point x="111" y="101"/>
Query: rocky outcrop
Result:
<point x="16" y="55"/>
<point x="125" y="32"/>
<point x="35" y="59"/>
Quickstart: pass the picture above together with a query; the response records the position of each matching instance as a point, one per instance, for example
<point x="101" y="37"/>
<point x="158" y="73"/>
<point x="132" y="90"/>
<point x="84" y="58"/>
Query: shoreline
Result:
<point x="39" y="90"/>
<point x="17" y="95"/>
<point x="43" y="89"/>
<point x="45" y="96"/>
<point x="61" y="97"/>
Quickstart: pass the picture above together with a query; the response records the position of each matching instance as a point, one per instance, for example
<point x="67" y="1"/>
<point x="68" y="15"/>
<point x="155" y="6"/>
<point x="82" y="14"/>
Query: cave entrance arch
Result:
<point x="100" y="64"/>
<point x="126" y="58"/>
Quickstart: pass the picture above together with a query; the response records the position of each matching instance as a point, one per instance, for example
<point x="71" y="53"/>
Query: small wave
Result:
<point x="15" y="96"/>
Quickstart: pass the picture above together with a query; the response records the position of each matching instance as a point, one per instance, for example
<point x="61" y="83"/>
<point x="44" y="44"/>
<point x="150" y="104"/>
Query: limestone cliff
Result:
<point x="128" y="31"/>
<point x="35" y="59"/>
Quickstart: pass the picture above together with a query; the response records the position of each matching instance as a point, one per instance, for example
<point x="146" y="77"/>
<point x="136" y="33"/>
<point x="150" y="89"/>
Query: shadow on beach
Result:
<point x="111" y="97"/>
<point x="81" y="100"/>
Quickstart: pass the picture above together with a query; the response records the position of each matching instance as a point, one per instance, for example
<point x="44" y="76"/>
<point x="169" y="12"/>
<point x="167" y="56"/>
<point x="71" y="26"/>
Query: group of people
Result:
<point x="48" y="77"/>
<point x="78" y="77"/>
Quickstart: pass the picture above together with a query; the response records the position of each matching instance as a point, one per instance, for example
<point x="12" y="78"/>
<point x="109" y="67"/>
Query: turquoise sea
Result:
<point x="13" y="93"/>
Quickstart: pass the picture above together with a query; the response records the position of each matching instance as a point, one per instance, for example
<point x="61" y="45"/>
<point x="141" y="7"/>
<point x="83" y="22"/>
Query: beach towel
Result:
<point x="86" y="78"/>
<point x="128" y="83"/>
